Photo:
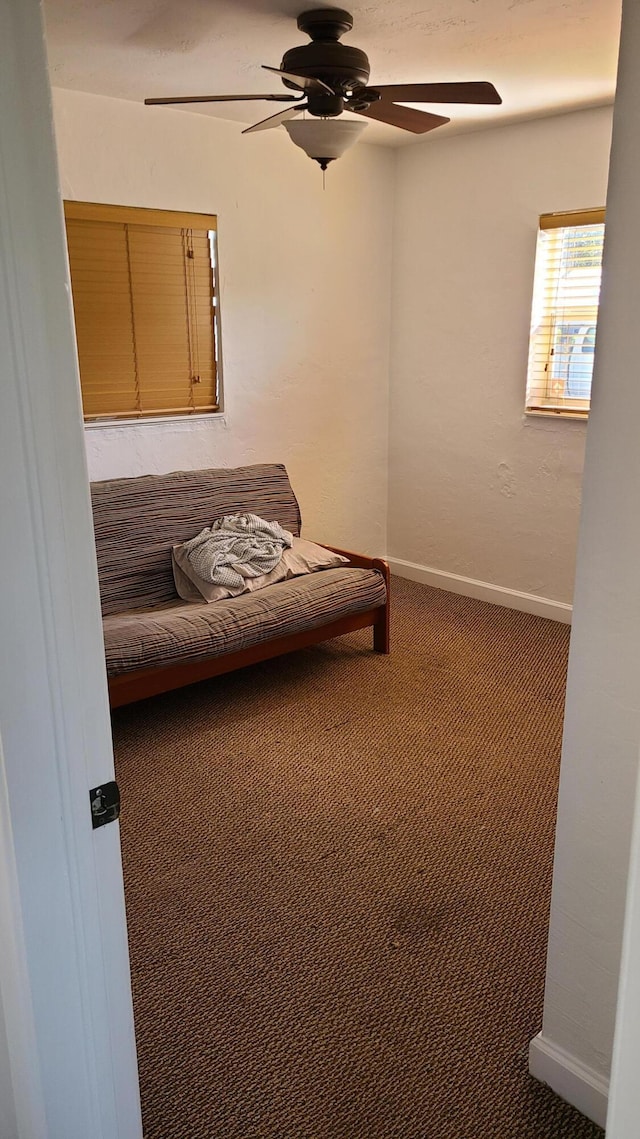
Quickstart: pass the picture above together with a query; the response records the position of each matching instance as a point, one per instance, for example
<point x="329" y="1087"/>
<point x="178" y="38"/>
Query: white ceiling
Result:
<point x="544" y="56"/>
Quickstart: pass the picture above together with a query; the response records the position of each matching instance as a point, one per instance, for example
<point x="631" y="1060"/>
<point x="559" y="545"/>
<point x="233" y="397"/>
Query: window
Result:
<point x="145" y="306"/>
<point x="564" y="316"/>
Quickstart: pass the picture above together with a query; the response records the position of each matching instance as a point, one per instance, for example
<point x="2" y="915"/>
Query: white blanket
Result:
<point x="237" y="547"/>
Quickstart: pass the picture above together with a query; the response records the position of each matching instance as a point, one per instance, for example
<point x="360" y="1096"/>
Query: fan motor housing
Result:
<point x="342" y="68"/>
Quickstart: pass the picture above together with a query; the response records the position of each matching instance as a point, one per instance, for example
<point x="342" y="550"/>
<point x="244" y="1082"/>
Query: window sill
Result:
<point x="556" y="413"/>
<point x="154" y="420"/>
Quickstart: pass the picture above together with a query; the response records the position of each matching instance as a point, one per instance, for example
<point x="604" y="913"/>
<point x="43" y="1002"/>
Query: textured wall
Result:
<point x="476" y="487"/>
<point x="305" y="278"/>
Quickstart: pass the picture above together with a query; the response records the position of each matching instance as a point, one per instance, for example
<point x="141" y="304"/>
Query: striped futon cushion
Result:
<point x="138" y="520"/>
<point x="187" y="632"/>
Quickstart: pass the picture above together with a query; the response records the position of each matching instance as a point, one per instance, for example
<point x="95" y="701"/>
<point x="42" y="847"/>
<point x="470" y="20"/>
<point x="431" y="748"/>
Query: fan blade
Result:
<point x="224" y="99"/>
<point x="406" y="117"/>
<point x="275" y="120"/>
<point x="304" y="82"/>
<point x="439" y="93"/>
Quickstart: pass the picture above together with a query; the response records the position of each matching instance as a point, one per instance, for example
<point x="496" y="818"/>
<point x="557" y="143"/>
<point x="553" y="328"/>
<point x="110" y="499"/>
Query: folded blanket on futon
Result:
<point x="237" y="547"/>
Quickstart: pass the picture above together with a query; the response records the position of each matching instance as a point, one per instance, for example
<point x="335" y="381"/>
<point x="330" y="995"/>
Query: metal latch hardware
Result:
<point x="105" y="804"/>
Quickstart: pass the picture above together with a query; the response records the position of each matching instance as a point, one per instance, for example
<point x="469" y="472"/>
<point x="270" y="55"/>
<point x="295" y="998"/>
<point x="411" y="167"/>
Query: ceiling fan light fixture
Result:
<point x="324" y="139"/>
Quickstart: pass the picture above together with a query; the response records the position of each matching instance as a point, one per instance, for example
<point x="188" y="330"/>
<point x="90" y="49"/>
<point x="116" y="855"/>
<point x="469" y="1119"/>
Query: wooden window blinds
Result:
<point x="564" y="316"/>
<point x="144" y="300"/>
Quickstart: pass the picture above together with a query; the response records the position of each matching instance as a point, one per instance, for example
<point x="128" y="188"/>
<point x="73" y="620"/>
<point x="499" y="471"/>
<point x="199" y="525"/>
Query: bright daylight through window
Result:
<point x="564" y="315"/>
<point x="145" y="306"/>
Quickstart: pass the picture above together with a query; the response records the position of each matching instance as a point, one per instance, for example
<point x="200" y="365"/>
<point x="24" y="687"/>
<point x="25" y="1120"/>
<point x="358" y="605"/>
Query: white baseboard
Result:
<point x="573" y="1081"/>
<point x="483" y="590"/>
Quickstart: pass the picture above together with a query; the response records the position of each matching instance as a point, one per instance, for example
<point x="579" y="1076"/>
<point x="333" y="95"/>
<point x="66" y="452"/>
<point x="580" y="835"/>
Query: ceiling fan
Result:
<point x="331" y="78"/>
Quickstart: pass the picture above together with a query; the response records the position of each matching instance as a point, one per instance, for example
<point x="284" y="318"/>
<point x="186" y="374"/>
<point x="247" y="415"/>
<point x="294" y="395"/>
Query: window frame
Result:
<point x="566" y="407"/>
<point x="141" y="216"/>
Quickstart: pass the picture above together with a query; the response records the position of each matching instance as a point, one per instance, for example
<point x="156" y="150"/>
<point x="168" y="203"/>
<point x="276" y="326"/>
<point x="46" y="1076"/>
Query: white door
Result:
<point x="67" y="1053"/>
<point x="619" y="314"/>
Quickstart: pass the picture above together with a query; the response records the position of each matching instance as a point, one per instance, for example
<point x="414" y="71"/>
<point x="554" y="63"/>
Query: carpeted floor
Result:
<point x="338" y="869"/>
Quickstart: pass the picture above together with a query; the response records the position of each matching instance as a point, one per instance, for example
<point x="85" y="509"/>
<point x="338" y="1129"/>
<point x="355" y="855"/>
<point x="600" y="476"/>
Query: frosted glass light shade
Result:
<point x="324" y="139"/>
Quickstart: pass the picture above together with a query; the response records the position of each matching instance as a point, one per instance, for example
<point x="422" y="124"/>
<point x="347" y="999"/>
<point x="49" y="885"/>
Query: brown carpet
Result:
<point x="338" y="869"/>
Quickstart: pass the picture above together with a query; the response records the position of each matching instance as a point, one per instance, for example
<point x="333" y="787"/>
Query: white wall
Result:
<point x="476" y="487"/>
<point x="305" y="279"/>
<point x="602" y="715"/>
